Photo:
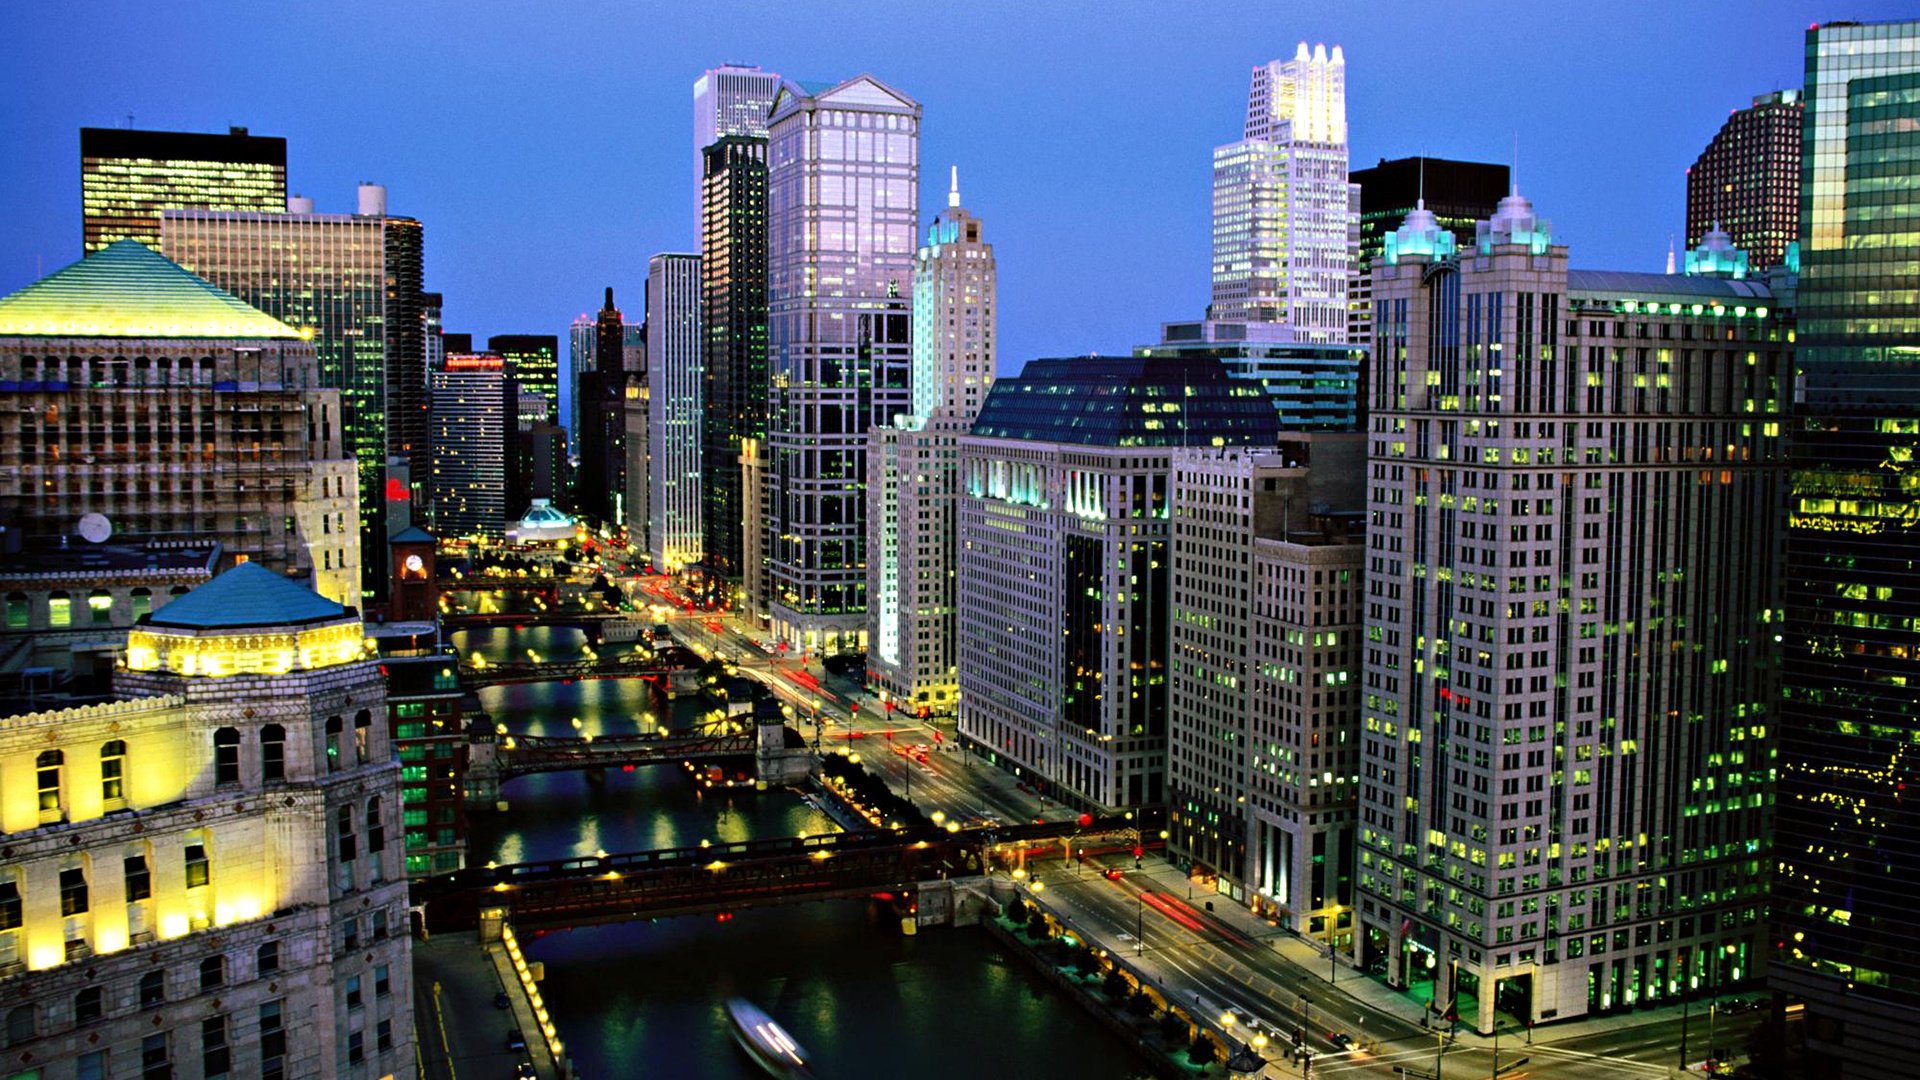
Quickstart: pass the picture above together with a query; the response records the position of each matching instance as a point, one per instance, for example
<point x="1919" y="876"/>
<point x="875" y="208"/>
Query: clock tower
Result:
<point x="413" y="595"/>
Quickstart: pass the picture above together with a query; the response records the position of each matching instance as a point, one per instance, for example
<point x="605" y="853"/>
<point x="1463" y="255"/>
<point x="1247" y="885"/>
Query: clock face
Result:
<point x="414" y="565"/>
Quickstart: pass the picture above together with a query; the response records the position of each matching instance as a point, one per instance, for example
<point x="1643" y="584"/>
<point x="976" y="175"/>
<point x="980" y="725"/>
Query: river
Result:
<point x="645" y="999"/>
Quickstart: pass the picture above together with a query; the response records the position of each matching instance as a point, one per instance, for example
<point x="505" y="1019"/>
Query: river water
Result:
<point x="645" y="999"/>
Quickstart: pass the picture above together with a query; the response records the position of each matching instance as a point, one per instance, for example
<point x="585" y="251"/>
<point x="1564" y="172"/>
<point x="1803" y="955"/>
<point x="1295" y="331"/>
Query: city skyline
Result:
<point x="593" y="209"/>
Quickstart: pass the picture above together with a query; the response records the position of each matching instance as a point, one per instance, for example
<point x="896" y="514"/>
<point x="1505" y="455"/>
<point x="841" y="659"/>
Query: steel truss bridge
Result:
<point x="678" y="881"/>
<point x="522" y="755"/>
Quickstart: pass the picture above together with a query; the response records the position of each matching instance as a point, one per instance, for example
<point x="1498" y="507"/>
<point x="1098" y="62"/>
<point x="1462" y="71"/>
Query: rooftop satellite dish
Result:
<point x="95" y="528"/>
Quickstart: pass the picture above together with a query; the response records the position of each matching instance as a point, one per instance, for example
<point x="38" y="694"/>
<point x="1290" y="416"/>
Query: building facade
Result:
<point x="1747" y="180"/>
<point x="580" y="342"/>
<point x="600" y="492"/>
<point x="1575" y="480"/>
<point x="473" y="405"/>
<point x="913" y="468"/>
<point x="1266" y="606"/>
<point x="730" y="100"/>
<point x="255" y="923"/>
<point x="1850" y="721"/>
<point x="141" y="393"/>
<point x="1280" y="201"/>
<point x="127" y="178"/>
<point x="1063" y="564"/>
<point x="1459" y="194"/>
<point x="1312" y="384"/>
<point x="533" y="363"/>
<point x="842" y="213"/>
<point x="733" y="288"/>
<point x="676" y="412"/>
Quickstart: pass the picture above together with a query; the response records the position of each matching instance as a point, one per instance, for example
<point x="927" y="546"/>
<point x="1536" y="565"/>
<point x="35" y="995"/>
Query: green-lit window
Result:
<point x="59" y="610"/>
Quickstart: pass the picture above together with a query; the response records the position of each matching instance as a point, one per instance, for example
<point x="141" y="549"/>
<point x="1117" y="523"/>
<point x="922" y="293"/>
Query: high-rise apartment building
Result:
<point x="128" y="177"/>
<point x="331" y="275"/>
<point x="733" y="285"/>
<point x="601" y="489"/>
<point x="1263" y="730"/>
<point x="205" y="877"/>
<point x="843" y="211"/>
<point x="1280" y="201"/>
<point x="1063" y="563"/>
<point x="1459" y="194"/>
<point x="136" y="391"/>
<point x="1747" y="180"/>
<point x="1575" y="485"/>
<point x="676" y="392"/>
<point x="913" y="468"/>
<point x="730" y="100"/>
<point x="1850" y="723"/>
<point x="473" y="426"/>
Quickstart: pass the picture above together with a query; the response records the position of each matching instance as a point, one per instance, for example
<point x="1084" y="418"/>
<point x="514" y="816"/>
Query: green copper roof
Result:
<point x="128" y="290"/>
<point x="247" y="595"/>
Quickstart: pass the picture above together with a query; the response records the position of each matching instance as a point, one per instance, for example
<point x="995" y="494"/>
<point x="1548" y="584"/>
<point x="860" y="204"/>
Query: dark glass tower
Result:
<point x="1748" y="180"/>
<point x="533" y="362"/>
<point x="128" y="177"/>
<point x="603" y="462"/>
<point x="409" y="408"/>
<point x="1847" y="829"/>
<point x="733" y="224"/>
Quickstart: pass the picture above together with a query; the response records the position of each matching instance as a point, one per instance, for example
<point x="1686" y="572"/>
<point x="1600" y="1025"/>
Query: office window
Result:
<point x="380" y="925"/>
<point x="362" y="733"/>
<point x="142" y="602"/>
<point x="20" y="1024"/>
<point x="353" y="991"/>
<point x="199" y="869"/>
<point x="91" y="1066"/>
<point x="47" y="769"/>
<point x="213" y="973"/>
<point x="153" y="988"/>
<point x="73" y="891"/>
<point x="382" y="985"/>
<point x="139" y="880"/>
<point x="343" y="819"/>
<point x="155" y="1061"/>
<point x="356" y="1047"/>
<point x="113" y="764"/>
<point x="376" y="829"/>
<point x="383" y="1035"/>
<point x="100" y="603"/>
<point x="18" y="611"/>
<point x="88" y="1005"/>
<point x="334" y="727"/>
<point x="59" y="610"/>
<point x="273" y="1043"/>
<point x="215" y="1057"/>
<point x="273" y="753"/>
<point x="266" y="959"/>
<point x="226" y="756"/>
<point x="10" y="905"/>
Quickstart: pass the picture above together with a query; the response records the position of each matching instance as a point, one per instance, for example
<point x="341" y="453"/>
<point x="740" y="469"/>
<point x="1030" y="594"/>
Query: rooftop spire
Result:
<point x="953" y="193"/>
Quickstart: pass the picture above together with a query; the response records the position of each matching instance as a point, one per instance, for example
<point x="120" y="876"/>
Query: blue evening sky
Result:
<point x="548" y="146"/>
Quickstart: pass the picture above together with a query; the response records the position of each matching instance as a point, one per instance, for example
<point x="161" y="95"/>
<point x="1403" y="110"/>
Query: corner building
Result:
<point x="1063" y="564"/>
<point x="1575" y="482"/>
<point x="204" y="879"/>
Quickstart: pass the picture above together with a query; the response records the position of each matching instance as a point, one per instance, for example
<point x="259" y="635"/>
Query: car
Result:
<point x="1739" y="1006"/>
<point x="515" y="1040"/>
<point x="502" y="1001"/>
<point x="1113" y="873"/>
<point x="1341" y="1040"/>
<point x="524" y="1071"/>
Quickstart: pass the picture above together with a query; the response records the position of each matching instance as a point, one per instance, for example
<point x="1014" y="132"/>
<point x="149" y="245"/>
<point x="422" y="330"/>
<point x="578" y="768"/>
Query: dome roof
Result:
<point x="249" y="595"/>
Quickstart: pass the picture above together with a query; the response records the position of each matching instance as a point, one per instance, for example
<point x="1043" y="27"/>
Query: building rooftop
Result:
<point x="412" y="534"/>
<point x="1628" y="285"/>
<point x="1185" y="400"/>
<point x="128" y="290"/>
<point x="247" y="595"/>
<point x="49" y="559"/>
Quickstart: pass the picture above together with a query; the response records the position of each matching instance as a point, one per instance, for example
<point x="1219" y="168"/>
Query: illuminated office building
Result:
<point x="1849" y="733"/>
<point x="1459" y="194"/>
<point x="1575" y="486"/>
<point x="728" y="101"/>
<point x="472" y="429"/>
<point x="1063" y="564"/>
<point x="128" y="177"/>
<point x="843" y="213"/>
<point x="1747" y="180"/>
<point x="676" y="393"/>
<point x="136" y="391"/>
<point x="1280" y="202"/>
<point x="346" y="279"/>
<point x="533" y="363"/>
<point x="913" y="467"/>
<point x="579" y="363"/>
<point x="733" y="285"/>
<point x="1312" y="384"/>
<point x="205" y="877"/>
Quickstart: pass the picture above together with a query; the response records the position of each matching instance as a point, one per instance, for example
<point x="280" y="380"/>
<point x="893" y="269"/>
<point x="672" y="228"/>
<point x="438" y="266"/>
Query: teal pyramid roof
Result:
<point x="127" y="289"/>
<point x="247" y="595"/>
<point x="412" y="534"/>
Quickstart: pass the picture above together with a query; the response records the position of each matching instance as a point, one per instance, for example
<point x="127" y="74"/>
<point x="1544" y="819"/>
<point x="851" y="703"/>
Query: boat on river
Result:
<point x="766" y="1042"/>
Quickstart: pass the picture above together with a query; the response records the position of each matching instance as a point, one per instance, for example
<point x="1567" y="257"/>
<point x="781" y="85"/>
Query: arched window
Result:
<point x="376" y="829"/>
<point x="153" y="988"/>
<point x="19" y="611"/>
<point x="20" y="1024"/>
<point x="88" y="1005"/>
<point x="177" y="590"/>
<point x="273" y="753"/>
<point x="47" y="769"/>
<point x="362" y="732"/>
<point x="113" y="769"/>
<point x="334" y="727"/>
<point x="100" y="603"/>
<point x="344" y="820"/>
<point x="59" y="609"/>
<point x="142" y="601"/>
<point x="213" y="973"/>
<point x="266" y="959"/>
<point x="226" y="756"/>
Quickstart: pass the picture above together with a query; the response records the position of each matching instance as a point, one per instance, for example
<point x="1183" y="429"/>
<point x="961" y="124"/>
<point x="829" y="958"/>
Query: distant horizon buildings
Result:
<point x="1747" y="180"/>
<point x="128" y="177"/>
<point x="1281" y="202"/>
<point x="843" y="213"/>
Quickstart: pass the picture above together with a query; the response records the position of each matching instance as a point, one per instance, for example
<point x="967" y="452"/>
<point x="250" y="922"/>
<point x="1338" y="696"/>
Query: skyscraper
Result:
<point x="731" y="99"/>
<point x="1572" y="600"/>
<point x="533" y="363"/>
<point x="912" y="467"/>
<point x="843" y="209"/>
<point x="1850" y="726"/>
<point x="128" y="177"/>
<point x="733" y="285"/>
<point x="1457" y="193"/>
<point x="331" y="274"/>
<point x="579" y="363"/>
<point x="180" y="414"/>
<point x="1747" y="180"/>
<point x="408" y="408"/>
<point x="473" y="427"/>
<point x="602" y="436"/>
<point x="1280" y="201"/>
<point x="1063" y="563"/>
<point x="676" y="389"/>
<point x="1313" y="384"/>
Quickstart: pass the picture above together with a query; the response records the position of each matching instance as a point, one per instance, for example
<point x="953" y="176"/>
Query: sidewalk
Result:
<point x="466" y="1034"/>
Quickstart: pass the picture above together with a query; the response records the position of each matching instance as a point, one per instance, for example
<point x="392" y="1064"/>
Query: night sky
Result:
<point x="548" y="147"/>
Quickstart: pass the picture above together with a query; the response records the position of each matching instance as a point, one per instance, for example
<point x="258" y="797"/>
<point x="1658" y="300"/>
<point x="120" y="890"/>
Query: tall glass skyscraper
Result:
<point x="128" y="177"/>
<point x="1849" y="750"/>
<point x="1281" y="201"/>
<point x="732" y="99"/>
<point x="676" y="374"/>
<point x="1747" y="180"/>
<point x="733" y="285"/>
<point x="843" y="209"/>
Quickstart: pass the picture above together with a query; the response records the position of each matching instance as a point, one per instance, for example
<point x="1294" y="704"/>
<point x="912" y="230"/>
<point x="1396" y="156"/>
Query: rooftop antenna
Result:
<point x="1669" y="253"/>
<point x="953" y="193"/>
<point x="1513" y="172"/>
<point x="129" y="121"/>
<point x="1421" y="200"/>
